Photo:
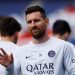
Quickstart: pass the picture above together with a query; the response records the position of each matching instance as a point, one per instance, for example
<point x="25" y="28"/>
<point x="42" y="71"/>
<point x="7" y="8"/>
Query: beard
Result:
<point x="37" y="33"/>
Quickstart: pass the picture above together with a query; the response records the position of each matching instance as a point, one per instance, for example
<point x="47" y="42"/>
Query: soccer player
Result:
<point x="61" y="29"/>
<point x="44" y="55"/>
<point x="9" y="30"/>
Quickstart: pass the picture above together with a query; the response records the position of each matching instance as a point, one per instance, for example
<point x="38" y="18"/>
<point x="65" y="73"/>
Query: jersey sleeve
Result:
<point x="69" y="63"/>
<point x="10" y="70"/>
<point x="15" y="68"/>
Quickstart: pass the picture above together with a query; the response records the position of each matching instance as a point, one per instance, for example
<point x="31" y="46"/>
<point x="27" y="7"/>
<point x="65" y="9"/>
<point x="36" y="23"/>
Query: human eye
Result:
<point x="28" y="22"/>
<point x="37" y="20"/>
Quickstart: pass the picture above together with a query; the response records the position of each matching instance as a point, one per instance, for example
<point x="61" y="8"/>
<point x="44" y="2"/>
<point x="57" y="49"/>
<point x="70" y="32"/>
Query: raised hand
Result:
<point x="5" y="59"/>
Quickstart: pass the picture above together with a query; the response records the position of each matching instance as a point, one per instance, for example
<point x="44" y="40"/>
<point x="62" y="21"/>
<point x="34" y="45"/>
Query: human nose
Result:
<point x="33" y="23"/>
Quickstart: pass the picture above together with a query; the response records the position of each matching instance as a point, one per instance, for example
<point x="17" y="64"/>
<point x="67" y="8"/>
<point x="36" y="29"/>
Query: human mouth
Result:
<point x="35" y="31"/>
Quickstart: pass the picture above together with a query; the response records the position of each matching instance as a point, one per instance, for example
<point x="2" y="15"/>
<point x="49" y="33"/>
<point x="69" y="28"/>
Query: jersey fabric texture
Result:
<point x="73" y="47"/>
<point x="52" y="57"/>
<point x="9" y="47"/>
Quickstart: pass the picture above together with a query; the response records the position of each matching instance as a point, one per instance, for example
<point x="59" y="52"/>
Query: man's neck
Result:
<point x="58" y="36"/>
<point x="6" y="39"/>
<point x="41" y="40"/>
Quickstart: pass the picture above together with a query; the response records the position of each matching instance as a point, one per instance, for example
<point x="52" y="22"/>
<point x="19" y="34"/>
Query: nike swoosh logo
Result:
<point x="28" y="57"/>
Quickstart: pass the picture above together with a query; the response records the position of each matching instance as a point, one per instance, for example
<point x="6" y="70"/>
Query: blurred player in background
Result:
<point x="61" y="29"/>
<point x="9" y="30"/>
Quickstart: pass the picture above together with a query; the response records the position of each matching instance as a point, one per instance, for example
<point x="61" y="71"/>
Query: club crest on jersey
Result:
<point x="51" y="53"/>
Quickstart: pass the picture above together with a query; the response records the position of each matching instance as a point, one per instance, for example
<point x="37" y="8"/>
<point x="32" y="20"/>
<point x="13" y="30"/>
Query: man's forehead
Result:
<point x="36" y="15"/>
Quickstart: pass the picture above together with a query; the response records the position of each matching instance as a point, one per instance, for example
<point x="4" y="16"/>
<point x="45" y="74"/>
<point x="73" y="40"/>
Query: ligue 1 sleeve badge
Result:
<point x="51" y="53"/>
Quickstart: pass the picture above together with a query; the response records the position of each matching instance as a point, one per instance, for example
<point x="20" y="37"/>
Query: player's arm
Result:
<point x="8" y="62"/>
<point x="5" y="59"/>
<point x="68" y="59"/>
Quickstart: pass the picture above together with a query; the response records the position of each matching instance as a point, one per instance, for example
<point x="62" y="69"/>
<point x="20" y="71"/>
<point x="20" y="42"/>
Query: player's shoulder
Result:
<point x="26" y="45"/>
<point x="72" y="45"/>
<point x="8" y="45"/>
<point x="23" y="50"/>
<point x="60" y="41"/>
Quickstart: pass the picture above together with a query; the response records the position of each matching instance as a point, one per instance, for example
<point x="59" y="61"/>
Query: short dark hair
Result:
<point x="8" y="26"/>
<point x="61" y="27"/>
<point x="34" y="9"/>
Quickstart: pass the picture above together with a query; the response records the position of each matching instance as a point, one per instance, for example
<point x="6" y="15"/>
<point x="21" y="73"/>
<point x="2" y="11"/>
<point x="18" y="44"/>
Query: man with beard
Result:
<point x="44" y="55"/>
<point x="9" y="30"/>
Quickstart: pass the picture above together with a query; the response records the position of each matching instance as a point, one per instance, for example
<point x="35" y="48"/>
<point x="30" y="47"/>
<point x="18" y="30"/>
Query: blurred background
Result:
<point x="55" y="9"/>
